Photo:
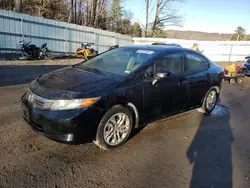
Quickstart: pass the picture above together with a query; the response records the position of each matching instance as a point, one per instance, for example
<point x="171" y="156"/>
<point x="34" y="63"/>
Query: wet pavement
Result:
<point x="187" y="150"/>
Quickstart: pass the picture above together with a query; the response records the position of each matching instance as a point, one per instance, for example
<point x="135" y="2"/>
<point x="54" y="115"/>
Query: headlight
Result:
<point x="72" y="104"/>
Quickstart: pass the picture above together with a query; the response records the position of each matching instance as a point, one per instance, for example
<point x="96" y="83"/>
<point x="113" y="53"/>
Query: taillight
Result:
<point x="223" y="72"/>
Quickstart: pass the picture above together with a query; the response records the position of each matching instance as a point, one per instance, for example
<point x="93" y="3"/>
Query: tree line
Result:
<point x="103" y="14"/>
<point x="240" y="34"/>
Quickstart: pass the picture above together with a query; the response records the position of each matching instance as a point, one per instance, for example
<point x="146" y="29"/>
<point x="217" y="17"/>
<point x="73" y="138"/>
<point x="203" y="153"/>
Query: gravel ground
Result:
<point x="187" y="150"/>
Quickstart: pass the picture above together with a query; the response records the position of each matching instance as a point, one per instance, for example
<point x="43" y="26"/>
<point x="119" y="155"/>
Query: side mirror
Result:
<point x="161" y="74"/>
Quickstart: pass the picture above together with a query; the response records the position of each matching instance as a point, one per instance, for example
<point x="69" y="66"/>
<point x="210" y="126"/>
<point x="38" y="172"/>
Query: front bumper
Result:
<point x="67" y="126"/>
<point x="57" y="137"/>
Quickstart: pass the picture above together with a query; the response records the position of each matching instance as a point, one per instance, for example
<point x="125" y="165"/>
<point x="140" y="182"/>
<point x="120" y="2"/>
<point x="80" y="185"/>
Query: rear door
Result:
<point x="197" y="76"/>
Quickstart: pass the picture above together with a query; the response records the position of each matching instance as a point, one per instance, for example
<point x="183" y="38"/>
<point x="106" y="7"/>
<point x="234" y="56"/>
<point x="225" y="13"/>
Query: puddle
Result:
<point x="219" y="110"/>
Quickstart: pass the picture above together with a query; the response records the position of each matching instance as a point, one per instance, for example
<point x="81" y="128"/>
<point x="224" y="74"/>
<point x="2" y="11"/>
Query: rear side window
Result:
<point x="196" y="63"/>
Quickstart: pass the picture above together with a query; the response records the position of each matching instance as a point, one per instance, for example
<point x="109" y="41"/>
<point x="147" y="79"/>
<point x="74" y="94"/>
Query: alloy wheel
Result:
<point x="211" y="100"/>
<point x="116" y="129"/>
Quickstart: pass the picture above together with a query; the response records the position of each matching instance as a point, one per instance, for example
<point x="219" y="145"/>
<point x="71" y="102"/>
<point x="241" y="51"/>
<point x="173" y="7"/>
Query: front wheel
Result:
<point x="210" y="101"/>
<point x="114" y="128"/>
<point x="49" y="55"/>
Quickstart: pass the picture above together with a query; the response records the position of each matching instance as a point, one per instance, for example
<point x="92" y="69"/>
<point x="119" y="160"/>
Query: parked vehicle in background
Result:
<point x="86" y="51"/>
<point x="247" y="66"/>
<point x="234" y="74"/>
<point x="106" y="97"/>
<point x="31" y="51"/>
<point x="45" y="53"/>
<point x="166" y="44"/>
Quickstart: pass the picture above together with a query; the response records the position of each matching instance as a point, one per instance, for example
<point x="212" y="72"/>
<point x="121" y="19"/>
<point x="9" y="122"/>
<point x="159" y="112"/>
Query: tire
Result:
<point x="231" y="80"/>
<point x="49" y="55"/>
<point x="105" y="127"/>
<point x="204" y="106"/>
<point x="240" y="80"/>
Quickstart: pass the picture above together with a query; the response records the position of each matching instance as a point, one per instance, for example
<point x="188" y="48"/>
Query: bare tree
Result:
<point x="97" y="14"/>
<point x="75" y="13"/>
<point x="40" y="7"/>
<point x="80" y="16"/>
<point x="18" y="5"/>
<point x="71" y="11"/>
<point x="93" y="12"/>
<point x="148" y="2"/>
<point x="165" y="15"/>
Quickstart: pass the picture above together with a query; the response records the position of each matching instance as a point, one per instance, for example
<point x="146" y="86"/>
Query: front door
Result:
<point x="168" y="94"/>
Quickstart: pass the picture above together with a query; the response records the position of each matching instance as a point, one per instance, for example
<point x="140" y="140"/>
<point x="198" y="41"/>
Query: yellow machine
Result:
<point x="231" y="68"/>
<point x="195" y="47"/>
<point x="234" y="73"/>
<point x="85" y="51"/>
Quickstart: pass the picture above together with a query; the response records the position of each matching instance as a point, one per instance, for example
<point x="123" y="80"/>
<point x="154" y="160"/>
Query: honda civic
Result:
<point x="105" y="98"/>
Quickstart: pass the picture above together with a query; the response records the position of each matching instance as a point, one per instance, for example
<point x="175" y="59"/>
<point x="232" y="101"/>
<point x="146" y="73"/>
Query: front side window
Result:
<point x="173" y="62"/>
<point x="196" y="63"/>
<point x="120" y="61"/>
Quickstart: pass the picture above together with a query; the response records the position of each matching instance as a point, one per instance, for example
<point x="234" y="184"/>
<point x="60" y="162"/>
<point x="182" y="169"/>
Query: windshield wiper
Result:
<point x="95" y="70"/>
<point x="99" y="71"/>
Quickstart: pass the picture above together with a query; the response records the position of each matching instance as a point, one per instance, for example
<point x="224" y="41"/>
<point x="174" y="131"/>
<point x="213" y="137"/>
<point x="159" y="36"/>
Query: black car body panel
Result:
<point x="181" y="91"/>
<point x="57" y="124"/>
<point x="73" y="82"/>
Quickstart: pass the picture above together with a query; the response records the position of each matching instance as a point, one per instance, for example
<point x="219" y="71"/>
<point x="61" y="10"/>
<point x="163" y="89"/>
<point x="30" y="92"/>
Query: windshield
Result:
<point x="121" y="61"/>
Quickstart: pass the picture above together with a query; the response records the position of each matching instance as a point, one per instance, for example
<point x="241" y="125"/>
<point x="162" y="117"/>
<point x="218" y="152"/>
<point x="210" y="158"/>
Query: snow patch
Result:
<point x="219" y="111"/>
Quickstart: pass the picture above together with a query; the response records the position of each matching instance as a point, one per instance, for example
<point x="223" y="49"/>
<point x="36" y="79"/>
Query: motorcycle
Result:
<point x="86" y="51"/>
<point x="31" y="51"/>
<point x="45" y="53"/>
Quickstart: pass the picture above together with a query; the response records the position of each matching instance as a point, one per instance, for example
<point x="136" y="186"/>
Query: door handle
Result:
<point x="207" y="76"/>
<point x="184" y="82"/>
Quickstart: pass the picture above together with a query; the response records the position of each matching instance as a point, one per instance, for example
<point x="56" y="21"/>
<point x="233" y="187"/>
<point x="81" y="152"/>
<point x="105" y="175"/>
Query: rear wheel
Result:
<point x="240" y="80"/>
<point x="114" y="128"/>
<point x="210" y="101"/>
<point x="49" y="55"/>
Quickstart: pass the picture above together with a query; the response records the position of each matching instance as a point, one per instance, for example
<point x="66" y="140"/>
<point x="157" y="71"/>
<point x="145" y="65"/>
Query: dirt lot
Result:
<point x="188" y="150"/>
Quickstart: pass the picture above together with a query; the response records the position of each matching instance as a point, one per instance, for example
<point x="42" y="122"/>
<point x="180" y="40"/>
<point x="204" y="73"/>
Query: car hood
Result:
<point x="70" y="82"/>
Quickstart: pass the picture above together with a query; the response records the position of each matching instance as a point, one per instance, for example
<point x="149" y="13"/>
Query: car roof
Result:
<point x="167" y="44"/>
<point x="160" y="48"/>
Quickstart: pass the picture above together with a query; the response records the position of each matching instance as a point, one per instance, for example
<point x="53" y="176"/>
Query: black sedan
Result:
<point x="105" y="98"/>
